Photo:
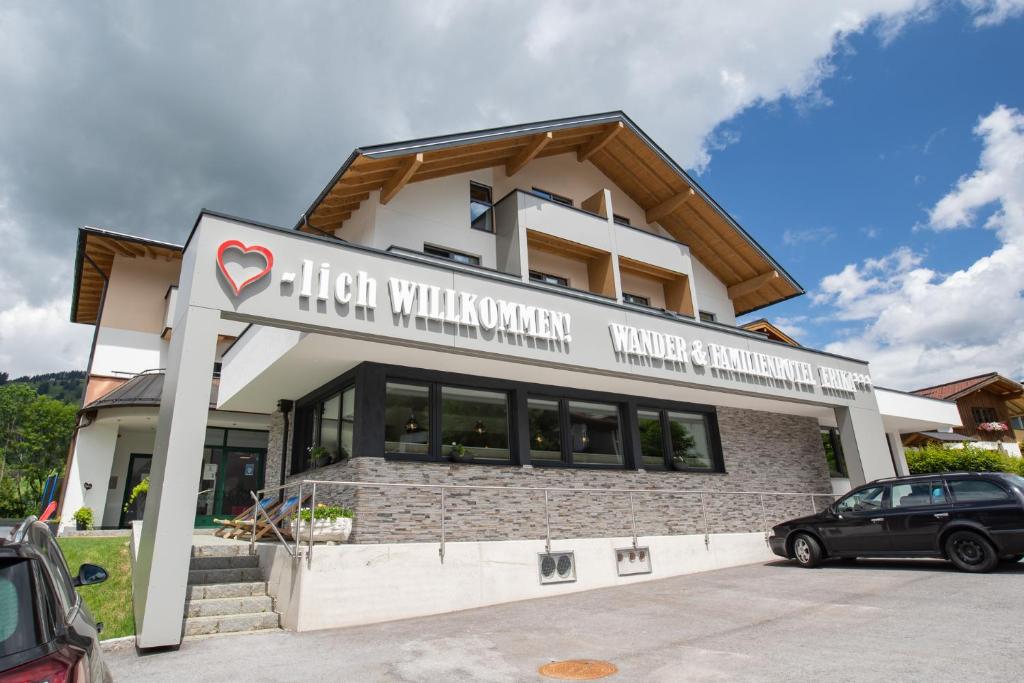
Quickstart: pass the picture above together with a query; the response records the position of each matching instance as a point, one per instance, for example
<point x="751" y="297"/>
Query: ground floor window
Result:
<point x="407" y="418"/>
<point x="474" y="424"/>
<point x="676" y="440"/>
<point x="232" y="467"/>
<point x="328" y="423"/>
<point x="833" y="452"/>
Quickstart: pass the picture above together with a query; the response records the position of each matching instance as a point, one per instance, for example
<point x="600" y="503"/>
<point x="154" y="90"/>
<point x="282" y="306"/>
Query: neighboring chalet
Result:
<point x="991" y="408"/>
<point x="762" y="326"/>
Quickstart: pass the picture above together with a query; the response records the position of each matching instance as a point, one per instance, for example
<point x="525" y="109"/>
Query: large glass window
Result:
<point x="691" y="442"/>
<point x="328" y="415"/>
<point x="407" y="418"/>
<point x="480" y="207"/>
<point x="833" y="451"/>
<point x="474" y="424"/>
<point x="652" y="439"/>
<point x="596" y="437"/>
<point x="545" y="430"/>
<point x="348" y="421"/>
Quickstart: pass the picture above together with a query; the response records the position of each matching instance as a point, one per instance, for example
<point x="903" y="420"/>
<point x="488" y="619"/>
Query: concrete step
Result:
<point x="227" y="562"/>
<point x="233" y="623"/>
<point x="242" y="589"/>
<point x="225" y="549"/>
<point x="207" y="576"/>
<point x="216" y="607"/>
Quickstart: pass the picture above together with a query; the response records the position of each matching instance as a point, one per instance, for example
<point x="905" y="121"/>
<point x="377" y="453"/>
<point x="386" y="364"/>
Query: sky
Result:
<point x="874" y="147"/>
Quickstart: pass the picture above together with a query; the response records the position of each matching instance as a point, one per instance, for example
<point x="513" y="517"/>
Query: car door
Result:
<point x="986" y="503"/>
<point x="917" y="513"/>
<point x="856" y="525"/>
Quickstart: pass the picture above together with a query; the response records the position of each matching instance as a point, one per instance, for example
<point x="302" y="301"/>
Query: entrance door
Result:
<point x="858" y="524"/>
<point x="226" y="477"/>
<point x="138" y="469"/>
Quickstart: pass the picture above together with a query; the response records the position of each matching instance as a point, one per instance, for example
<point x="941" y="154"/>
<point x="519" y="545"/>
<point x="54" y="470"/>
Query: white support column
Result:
<point x="864" y="444"/>
<point x="86" y="484"/>
<point x="899" y="456"/>
<point x="161" y="568"/>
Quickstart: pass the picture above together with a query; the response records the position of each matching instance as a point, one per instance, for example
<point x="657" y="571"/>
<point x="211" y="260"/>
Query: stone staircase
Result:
<point x="227" y="592"/>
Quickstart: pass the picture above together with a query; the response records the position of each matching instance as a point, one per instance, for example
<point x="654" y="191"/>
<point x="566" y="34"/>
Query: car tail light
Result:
<point x="63" y="666"/>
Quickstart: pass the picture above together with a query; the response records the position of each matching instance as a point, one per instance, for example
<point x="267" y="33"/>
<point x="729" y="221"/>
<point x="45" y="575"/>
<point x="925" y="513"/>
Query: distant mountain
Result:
<point x="65" y="386"/>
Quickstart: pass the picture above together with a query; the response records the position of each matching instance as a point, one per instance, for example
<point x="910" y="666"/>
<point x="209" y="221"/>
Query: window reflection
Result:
<point x="545" y="430"/>
<point x="474" y="424"/>
<point x="407" y="418"/>
<point x="596" y="437"/>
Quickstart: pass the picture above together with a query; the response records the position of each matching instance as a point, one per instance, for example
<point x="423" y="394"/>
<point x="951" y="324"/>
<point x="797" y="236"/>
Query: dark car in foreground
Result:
<point x="973" y="519"/>
<point x="46" y="631"/>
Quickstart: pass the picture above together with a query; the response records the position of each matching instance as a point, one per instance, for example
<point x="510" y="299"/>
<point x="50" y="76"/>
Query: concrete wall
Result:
<point x="362" y="584"/>
<point x="763" y="452"/>
<point x="644" y="286"/>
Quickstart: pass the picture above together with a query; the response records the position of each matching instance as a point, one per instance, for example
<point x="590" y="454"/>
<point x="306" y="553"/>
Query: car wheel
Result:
<point x="806" y="550"/>
<point x="971" y="552"/>
<point x="1011" y="559"/>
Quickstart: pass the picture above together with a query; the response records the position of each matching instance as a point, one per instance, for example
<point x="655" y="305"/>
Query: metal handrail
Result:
<point x="258" y="508"/>
<point x="546" y="490"/>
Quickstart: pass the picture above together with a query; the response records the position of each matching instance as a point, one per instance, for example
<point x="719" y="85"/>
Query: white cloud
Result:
<point x="793" y="325"/>
<point x="795" y="238"/>
<point x="38" y="339"/>
<point x="993" y="12"/>
<point x="922" y="327"/>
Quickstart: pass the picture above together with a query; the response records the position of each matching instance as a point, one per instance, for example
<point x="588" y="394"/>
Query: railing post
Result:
<point x="764" y="517"/>
<point x="440" y="550"/>
<point x="295" y="521"/>
<point x="312" y="522"/>
<point x="707" y="528"/>
<point x="255" y="516"/>
<point x="814" y="508"/>
<point x="547" y="524"/>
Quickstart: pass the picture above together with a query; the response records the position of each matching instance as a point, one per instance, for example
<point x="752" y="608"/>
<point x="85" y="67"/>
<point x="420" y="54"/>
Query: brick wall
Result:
<point x="762" y="451"/>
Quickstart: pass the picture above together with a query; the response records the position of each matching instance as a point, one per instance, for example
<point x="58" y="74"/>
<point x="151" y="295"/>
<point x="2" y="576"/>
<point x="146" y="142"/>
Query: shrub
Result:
<point x="935" y="458"/>
<point x="83" y="517"/>
<point x="331" y="512"/>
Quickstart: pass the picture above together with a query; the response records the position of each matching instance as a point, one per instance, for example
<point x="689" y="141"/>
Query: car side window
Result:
<point x="976" y="491"/>
<point x="865" y="500"/>
<point x="917" y="494"/>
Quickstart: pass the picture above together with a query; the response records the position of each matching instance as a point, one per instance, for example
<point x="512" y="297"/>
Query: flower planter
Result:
<point x="324" y="530"/>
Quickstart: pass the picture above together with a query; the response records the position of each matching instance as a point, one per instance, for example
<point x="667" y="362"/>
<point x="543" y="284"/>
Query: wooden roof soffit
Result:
<point x="752" y="285"/>
<point x="598" y="142"/>
<point x="532" y="149"/>
<point x="400" y="178"/>
<point x="656" y="213"/>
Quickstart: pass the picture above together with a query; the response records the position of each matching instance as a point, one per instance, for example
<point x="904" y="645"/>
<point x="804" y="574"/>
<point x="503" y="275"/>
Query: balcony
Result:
<point x="581" y="266"/>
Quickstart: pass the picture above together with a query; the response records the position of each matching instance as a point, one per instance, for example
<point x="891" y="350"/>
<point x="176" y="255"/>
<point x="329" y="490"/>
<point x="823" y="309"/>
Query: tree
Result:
<point x="35" y="433"/>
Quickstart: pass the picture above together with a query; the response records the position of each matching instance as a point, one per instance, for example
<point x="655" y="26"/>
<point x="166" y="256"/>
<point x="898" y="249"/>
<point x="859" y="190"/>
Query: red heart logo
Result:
<point x="235" y="244"/>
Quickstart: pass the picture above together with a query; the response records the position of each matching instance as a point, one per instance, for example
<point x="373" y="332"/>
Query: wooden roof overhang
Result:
<point x="615" y="145"/>
<point x="94" y="259"/>
<point x="771" y="331"/>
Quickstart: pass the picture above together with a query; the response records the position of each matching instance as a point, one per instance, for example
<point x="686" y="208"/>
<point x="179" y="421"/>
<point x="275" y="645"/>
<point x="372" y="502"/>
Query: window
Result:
<point x="621" y="220"/>
<point x="475" y="422"/>
<point x="981" y="414"/>
<point x="327" y="417"/>
<point x="552" y="196"/>
<point x="976" y="491"/>
<point x="833" y="452"/>
<point x="537" y="276"/>
<point x="319" y="427"/>
<point x="635" y="299"/>
<point x="707" y="317"/>
<point x="19" y="627"/>
<point x="545" y="430"/>
<point x="456" y="256"/>
<point x="348" y="421"/>
<point x="917" y="494"/>
<point x="595" y="433"/>
<point x="676" y="440"/>
<point x="481" y="209"/>
<point x="865" y="500"/>
<point x="1017" y="422"/>
<point x="407" y="418"/>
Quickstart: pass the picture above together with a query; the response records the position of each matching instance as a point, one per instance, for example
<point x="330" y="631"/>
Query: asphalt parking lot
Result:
<point x="871" y="620"/>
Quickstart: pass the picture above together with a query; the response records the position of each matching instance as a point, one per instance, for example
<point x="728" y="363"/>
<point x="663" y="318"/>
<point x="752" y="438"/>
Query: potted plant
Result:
<point x="331" y="523"/>
<point x="457" y="452"/>
<point x="318" y="456"/>
<point x="83" y="518"/>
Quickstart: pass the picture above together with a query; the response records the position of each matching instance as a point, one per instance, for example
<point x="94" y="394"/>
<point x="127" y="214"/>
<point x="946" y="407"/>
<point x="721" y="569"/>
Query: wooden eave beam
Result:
<point x="598" y="142"/>
<point x="656" y="213"/>
<point x="752" y="285"/>
<point x="532" y="149"/>
<point x="400" y="178"/>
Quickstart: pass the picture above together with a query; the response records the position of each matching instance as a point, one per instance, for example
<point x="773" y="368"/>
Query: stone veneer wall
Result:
<point x="762" y="451"/>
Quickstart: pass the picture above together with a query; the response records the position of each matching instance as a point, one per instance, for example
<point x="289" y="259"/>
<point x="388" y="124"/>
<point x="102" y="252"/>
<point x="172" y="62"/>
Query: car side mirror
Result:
<point x="90" y="574"/>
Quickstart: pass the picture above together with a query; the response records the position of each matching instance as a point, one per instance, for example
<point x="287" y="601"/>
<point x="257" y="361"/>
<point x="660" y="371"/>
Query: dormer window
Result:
<point x="552" y="196"/>
<point x="481" y="208"/>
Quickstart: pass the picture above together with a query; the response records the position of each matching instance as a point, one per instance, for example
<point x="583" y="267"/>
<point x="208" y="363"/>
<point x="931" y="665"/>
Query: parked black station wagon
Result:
<point x="975" y="520"/>
<point x="46" y="631"/>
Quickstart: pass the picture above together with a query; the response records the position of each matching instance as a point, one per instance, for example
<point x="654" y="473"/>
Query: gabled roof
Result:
<point x="1012" y="392"/>
<point x="94" y="260"/>
<point x="770" y="331"/>
<point x="615" y="145"/>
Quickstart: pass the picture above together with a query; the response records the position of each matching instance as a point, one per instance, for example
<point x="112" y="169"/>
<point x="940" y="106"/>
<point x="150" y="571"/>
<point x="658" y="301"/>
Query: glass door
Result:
<point x="208" y="476"/>
<point x="243" y="472"/>
<point x="138" y="469"/>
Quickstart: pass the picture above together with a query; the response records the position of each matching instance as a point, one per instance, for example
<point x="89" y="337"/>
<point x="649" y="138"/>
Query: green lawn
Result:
<point x="110" y="601"/>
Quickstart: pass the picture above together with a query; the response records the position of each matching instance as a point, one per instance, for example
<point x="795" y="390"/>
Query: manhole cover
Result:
<point x="578" y="669"/>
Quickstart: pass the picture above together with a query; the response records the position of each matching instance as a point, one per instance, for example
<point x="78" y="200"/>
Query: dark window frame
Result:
<point x="540" y="275"/>
<point x="489" y="211"/>
<point x="714" y="440"/>
<point x="446" y="253"/>
<point x="565" y="431"/>
<point x="553" y="197"/>
<point x="711" y="316"/>
<point x="981" y="413"/>
<point x="626" y="296"/>
<point x="303" y="414"/>
<point x="841" y="471"/>
<point x="619" y="219"/>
